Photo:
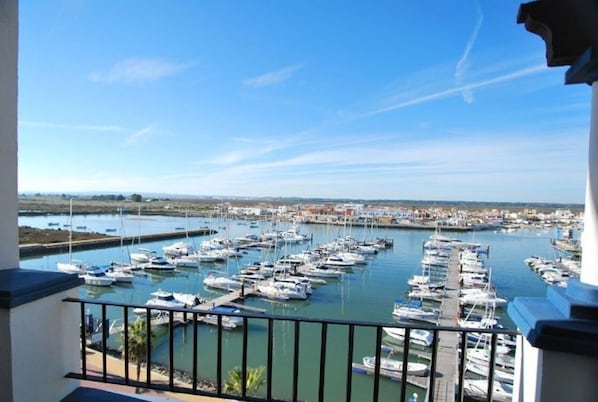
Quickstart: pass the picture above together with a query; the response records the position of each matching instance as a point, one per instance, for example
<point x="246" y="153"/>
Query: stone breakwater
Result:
<point x="37" y="249"/>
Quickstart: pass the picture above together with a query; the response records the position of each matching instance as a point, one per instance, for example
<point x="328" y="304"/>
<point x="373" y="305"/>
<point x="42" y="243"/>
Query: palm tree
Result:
<point x="255" y="380"/>
<point x="137" y="343"/>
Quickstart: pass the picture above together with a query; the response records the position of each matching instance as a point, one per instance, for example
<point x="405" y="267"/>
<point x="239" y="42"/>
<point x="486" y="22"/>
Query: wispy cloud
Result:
<point x="141" y="135"/>
<point x="139" y="71"/>
<point x="463" y="63"/>
<point x="79" y="127"/>
<point x="273" y="77"/>
<point x="452" y="91"/>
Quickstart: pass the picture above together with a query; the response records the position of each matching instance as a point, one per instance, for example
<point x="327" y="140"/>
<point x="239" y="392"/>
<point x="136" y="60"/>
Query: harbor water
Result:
<point x="365" y="294"/>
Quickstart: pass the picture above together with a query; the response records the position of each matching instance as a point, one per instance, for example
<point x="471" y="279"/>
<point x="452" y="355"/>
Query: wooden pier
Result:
<point x="447" y="353"/>
<point x="228" y="299"/>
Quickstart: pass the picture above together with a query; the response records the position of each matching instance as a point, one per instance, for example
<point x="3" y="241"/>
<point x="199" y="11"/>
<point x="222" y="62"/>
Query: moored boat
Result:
<point x="396" y="365"/>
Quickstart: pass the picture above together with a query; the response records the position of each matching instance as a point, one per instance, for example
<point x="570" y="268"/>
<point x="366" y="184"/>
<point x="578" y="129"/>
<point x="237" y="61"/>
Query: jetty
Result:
<point x="37" y="249"/>
<point x="228" y="300"/>
<point x="445" y="382"/>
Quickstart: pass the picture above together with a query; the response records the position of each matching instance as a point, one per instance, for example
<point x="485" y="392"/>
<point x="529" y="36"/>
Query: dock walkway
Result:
<point x="447" y="356"/>
<point x="227" y="299"/>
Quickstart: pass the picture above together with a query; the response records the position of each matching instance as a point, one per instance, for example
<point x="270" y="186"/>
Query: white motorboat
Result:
<point x="142" y="256"/>
<point x="412" y="311"/>
<point x="161" y="299"/>
<point x="357" y="258"/>
<point x="166" y="299"/>
<point x="157" y="263"/>
<point x="425" y="293"/>
<point x="424" y="281"/>
<point x="203" y="256"/>
<point x="482" y="299"/>
<point x="478" y="389"/>
<point x="416" y="336"/>
<point x="96" y="276"/>
<point x="322" y="271"/>
<point x="296" y="281"/>
<point x="499" y="375"/>
<point x="271" y="292"/>
<point x="227" y="321"/>
<point x="184" y="261"/>
<point x="72" y="267"/>
<point x="119" y="274"/>
<point x="221" y="282"/>
<point x="482" y="356"/>
<point x="470" y="279"/>
<point x="179" y="248"/>
<point x="290" y="290"/>
<point x="334" y="261"/>
<point x="396" y="365"/>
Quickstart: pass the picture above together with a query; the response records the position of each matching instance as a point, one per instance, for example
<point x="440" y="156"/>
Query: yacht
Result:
<point x="96" y="276"/>
<point x="416" y="336"/>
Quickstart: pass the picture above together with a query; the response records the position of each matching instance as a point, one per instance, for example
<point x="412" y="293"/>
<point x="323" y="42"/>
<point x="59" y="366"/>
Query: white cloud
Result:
<point x="138" y="71"/>
<point x="273" y="77"/>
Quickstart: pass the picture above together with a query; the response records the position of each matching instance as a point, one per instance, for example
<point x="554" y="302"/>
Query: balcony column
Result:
<point x="557" y="357"/>
<point x="39" y="340"/>
<point x="9" y="235"/>
<point x="589" y="262"/>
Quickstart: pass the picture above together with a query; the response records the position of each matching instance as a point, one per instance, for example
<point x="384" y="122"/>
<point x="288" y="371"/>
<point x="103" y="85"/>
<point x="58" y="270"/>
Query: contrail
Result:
<point x="462" y="63"/>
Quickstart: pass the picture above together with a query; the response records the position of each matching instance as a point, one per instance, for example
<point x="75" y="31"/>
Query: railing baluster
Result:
<point x="378" y="364"/>
<point x="148" y="346"/>
<point x="126" y="342"/>
<point x="270" y="358"/>
<point x="491" y="367"/>
<point x="194" y="369"/>
<point x="104" y="346"/>
<point x="296" y="362"/>
<point x="432" y="378"/>
<point x="323" y="337"/>
<point x="219" y="355"/>
<point x="83" y="342"/>
<point x="244" y="360"/>
<point x="350" y="347"/>
<point x="272" y="322"/>
<point x="171" y="349"/>
<point x="406" y="340"/>
<point x="462" y="365"/>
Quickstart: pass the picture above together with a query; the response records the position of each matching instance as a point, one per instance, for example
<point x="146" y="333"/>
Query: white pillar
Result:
<point x="589" y="262"/>
<point x="9" y="207"/>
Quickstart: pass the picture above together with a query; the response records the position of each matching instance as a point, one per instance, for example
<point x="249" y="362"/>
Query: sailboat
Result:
<point x="72" y="266"/>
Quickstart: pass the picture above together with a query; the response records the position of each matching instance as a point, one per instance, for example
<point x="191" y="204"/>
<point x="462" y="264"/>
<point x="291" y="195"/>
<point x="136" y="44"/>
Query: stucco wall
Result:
<point x="9" y="235"/>
<point x="45" y="346"/>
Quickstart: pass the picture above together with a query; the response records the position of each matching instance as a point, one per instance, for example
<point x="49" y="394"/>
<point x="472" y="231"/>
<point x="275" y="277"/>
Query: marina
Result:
<point x="348" y="297"/>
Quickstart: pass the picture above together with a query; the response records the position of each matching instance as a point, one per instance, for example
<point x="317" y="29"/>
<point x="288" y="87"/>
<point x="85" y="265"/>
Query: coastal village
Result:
<point x="454" y="287"/>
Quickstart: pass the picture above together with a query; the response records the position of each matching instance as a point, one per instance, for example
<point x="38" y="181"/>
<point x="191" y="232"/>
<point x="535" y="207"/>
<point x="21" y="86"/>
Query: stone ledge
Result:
<point x="83" y="394"/>
<point x="21" y="286"/>
<point x="563" y="321"/>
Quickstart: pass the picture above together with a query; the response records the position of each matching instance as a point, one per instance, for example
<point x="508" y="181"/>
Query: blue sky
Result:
<point x="343" y="99"/>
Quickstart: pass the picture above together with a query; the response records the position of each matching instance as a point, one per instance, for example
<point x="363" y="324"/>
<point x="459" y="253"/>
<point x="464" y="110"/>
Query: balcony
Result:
<point x="302" y="359"/>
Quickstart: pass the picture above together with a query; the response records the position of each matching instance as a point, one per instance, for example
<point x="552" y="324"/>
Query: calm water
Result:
<point x="367" y="294"/>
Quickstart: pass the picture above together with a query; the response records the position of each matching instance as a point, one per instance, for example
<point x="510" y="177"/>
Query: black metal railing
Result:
<point x="333" y="341"/>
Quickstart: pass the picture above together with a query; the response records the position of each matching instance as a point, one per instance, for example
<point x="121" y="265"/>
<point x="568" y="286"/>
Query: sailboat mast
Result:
<point x="71" y="230"/>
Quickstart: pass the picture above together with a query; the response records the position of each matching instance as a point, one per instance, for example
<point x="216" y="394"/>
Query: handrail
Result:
<point x="319" y="369"/>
